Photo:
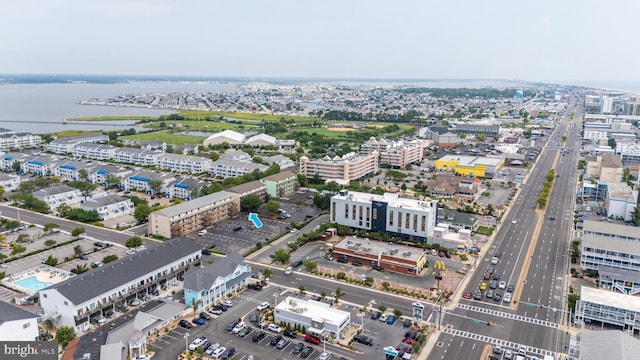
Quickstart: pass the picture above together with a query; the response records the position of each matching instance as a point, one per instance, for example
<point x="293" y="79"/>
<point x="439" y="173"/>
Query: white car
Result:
<point x="202" y="232"/>
<point x="508" y="354"/>
<point x="434" y="252"/>
<point x="288" y="270"/>
<point x="384" y="317"/>
<point x="507" y="298"/>
<point x="502" y="285"/>
<point x="522" y="350"/>
<point x="217" y="352"/>
<point x="514" y="221"/>
<point x="141" y="248"/>
<point x="4" y="266"/>
<point x="293" y="231"/>
<point x="197" y="342"/>
<point x="131" y="252"/>
<point x="211" y="349"/>
<point x="275" y="328"/>
<point x="263" y="306"/>
<point x="227" y="303"/>
<point x="239" y="327"/>
<point x="325" y="356"/>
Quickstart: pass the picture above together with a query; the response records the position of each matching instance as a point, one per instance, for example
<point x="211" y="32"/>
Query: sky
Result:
<point x="542" y="40"/>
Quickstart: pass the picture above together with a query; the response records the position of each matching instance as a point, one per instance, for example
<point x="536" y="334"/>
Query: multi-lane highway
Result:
<point x="534" y="247"/>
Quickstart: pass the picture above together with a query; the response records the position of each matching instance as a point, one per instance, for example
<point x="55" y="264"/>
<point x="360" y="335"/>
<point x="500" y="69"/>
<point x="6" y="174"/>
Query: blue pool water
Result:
<point x="33" y="284"/>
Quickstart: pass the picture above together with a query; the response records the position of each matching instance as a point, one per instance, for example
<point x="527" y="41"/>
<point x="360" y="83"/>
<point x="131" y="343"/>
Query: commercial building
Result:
<point x="605" y="168"/>
<point x="281" y="185"/>
<point x="457" y="220"/>
<point x="343" y="169"/>
<point x="471" y="166"/>
<point x="316" y="317"/>
<point x="408" y="218"/>
<point x="606" y="344"/>
<point x="210" y="285"/>
<point x="620" y="200"/>
<point x="17" y="324"/>
<point x="81" y="300"/>
<point x="391" y="257"/>
<point x="612" y="245"/>
<point x="608" y="308"/>
<point x="227" y="136"/>
<point x="191" y="216"/>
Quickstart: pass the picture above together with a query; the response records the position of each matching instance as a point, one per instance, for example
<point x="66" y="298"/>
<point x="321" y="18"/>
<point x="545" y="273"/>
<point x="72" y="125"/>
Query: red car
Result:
<point x="487" y="276"/>
<point x="467" y="295"/>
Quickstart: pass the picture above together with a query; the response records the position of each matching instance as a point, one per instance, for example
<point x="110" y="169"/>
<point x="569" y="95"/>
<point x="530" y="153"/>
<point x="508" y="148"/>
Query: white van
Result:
<point x="202" y="232"/>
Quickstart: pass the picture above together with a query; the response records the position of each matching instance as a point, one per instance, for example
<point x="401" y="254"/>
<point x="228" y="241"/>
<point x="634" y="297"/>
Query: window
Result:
<point x="353" y="212"/>
<point x="415" y="222"/>
<point x="399" y="219"/>
<point x="390" y="218"/>
<point x="346" y="211"/>
<point x="406" y="221"/>
<point x="375" y="214"/>
<point x="368" y="214"/>
<point x="360" y="213"/>
<point x="423" y="224"/>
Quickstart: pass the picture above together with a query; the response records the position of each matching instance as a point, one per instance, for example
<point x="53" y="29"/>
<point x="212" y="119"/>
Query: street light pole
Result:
<point x="186" y="341"/>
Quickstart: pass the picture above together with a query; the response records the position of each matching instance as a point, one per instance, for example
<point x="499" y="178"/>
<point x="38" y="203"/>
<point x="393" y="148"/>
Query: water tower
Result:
<point x="519" y="95"/>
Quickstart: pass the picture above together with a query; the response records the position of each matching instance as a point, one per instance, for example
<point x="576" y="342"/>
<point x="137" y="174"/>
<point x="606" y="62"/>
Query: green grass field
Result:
<point x="69" y="133"/>
<point x="113" y="118"/>
<point x="167" y="137"/>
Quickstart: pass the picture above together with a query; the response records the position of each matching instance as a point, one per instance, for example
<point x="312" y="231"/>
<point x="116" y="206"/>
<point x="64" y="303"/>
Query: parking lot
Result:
<point x="169" y="345"/>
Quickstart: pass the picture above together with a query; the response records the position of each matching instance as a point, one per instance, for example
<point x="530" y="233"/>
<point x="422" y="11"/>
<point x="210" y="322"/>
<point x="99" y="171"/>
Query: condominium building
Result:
<point x="612" y="245"/>
<point x="399" y="155"/>
<point x="241" y="191"/>
<point x="138" y="156"/>
<point x="184" y="163"/>
<point x="67" y="144"/>
<point x="55" y="196"/>
<point x="70" y="170"/>
<point x="191" y="216"/>
<point x="233" y="168"/>
<point x="343" y="169"/>
<point x="607" y="307"/>
<point x="95" y="151"/>
<point x="81" y="300"/>
<point x="282" y="184"/>
<point x="17" y="324"/>
<point x="19" y="140"/>
<point x="110" y="206"/>
<point x="408" y="218"/>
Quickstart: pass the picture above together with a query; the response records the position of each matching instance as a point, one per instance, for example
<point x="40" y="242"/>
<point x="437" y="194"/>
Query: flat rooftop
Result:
<point x="394" y="200"/>
<point x="367" y="246"/>
<point x="312" y="309"/>
<point x="610" y="298"/>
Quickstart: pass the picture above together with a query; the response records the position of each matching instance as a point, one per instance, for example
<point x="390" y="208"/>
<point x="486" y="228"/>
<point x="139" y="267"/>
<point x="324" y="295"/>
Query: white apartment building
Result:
<point x="19" y="140"/>
<point x="110" y="206"/>
<point x="38" y="165"/>
<point x="385" y="213"/>
<point x="81" y="300"/>
<point x="595" y="135"/>
<point x="95" y="151"/>
<point x="608" y="307"/>
<point x="620" y="200"/>
<point x="67" y="144"/>
<point x="612" y="245"/>
<point x="233" y="168"/>
<point x="280" y="160"/>
<point x="340" y="169"/>
<point x="8" y="159"/>
<point x="69" y="170"/>
<point x="184" y="163"/>
<point x="629" y="153"/>
<point x="55" y="196"/>
<point x="139" y="181"/>
<point x="99" y="176"/>
<point x="9" y="182"/>
<point x="138" y="156"/>
<point x="17" y="324"/>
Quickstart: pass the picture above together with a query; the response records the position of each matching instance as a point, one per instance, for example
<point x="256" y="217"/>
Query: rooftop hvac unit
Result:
<point x="393" y="251"/>
<point x="407" y="254"/>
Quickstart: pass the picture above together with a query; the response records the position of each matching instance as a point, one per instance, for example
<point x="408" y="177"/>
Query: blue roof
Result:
<point x="70" y="167"/>
<point x="184" y="186"/>
<point x="140" y="178"/>
<point x="102" y="172"/>
<point x="36" y="162"/>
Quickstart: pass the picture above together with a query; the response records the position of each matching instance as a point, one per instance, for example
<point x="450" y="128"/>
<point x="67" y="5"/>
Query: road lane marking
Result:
<point x="495" y="341"/>
<point x="509" y="316"/>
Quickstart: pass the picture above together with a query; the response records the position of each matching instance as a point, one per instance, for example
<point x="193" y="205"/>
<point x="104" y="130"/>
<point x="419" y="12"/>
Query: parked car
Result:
<point x="245" y="331"/>
<point x="198" y="321"/>
<point x="477" y="295"/>
<point x="211" y="349"/>
<point x="375" y="315"/>
<point x="406" y="323"/>
<point x="197" y="342"/>
<point x="441" y="253"/>
<point x="231" y="325"/>
<point x="185" y="324"/>
<point x="217" y="352"/>
<point x="275" y="328"/>
<point x="306" y="352"/>
<point x="363" y="339"/>
<point x="502" y="285"/>
<point x="325" y="355"/>
<point x="297" y="263"/>
<point x="257" y="337"/>
<point x="256" y="287"/>
<point x="510" y="288"/>
<point x="297" y="348"/>
<point x="434" y="252"/>
<point x="467" y="295"/>
<point x="275" y="340"/>
<point x="202" y="232"/>
<point x="328" y="257"/>
<point x="506" y="298"/>
<point x="489" y="294"/>
<point x="263" y="306"/>
<point x="378" y="268"/>
<point x="312" y="339"/>
<point x="343" y="259"/>
<point x="288" y="270"/>
<point x="205" y="316"/>
<point x="253" y="318"/>
<point x="290" y="333"/>
<point x="384" y="317"/>
<point x="391" y="320"/>
<point x="227" y="354"/>
<point x="227" y="303"/>
<point x="241" y="325"/>
<point x="282" y="344"/>
<point x="486" y="276"/>
<point x="215" y="310"/>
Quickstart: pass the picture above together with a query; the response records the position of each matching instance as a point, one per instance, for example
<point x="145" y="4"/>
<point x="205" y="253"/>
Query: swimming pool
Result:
<point x="33" y="284"/>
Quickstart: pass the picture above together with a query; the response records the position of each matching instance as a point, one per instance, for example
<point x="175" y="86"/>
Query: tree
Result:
<point x="109" y="258"/>
<point x="323" y="294"/>
<point x="51" y="261"/>
<point x="133" y="242"/>
<point x="2" y="191"/>
<point x="338" y="294"/>
<point x="311" y="266"/>
<point x="64" y="335"/>
<point x="83" y="174"/>
<point x="317" y="179"/>
<point x="302" y="289"/>
<point x="77" y="231"/>
<point x="272" y="206"/>
<point x="250" y="203"/>
<point x="281" y="256"/>
<point x="18" y="249"/>
<point x="302" y="180"/>
<point x="480" y="137"/>
<point x="81" y="268"/>
<point x="112" y="181"/>
<point x="141" y="212"/>
<point x="267" y="273"/>
<point x="77" y="250"/>
<point x="85" y="187"/>
<point x="49" y="243"/>
<point x="397" y="313"/>
<point x="195" y="303"/>
<point x="322" y="202"/>
<point x="155" y="185"/>
<point x="636" y="215"/>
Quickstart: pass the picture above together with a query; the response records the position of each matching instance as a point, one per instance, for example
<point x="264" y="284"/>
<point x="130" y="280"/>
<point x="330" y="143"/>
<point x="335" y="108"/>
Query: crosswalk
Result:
<point x="509" y="316"/>
<point x="248" y="298"/>
<point x="490" y="340"/>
